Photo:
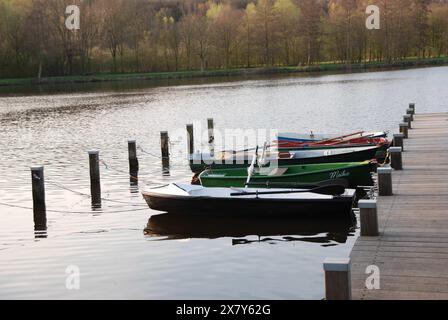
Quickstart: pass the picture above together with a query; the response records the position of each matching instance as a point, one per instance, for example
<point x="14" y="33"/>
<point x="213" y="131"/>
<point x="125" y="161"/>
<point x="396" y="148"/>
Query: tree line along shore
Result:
<point x="160" y="39"/>
<point x="318" y="68"/>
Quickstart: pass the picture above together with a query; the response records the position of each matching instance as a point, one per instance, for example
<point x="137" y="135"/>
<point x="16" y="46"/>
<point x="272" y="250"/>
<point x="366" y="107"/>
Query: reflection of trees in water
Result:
<point x="328" y="232"/>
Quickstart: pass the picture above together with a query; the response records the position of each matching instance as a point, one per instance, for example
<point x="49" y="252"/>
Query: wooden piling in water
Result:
<point x="412" y="106"/>
<point x="369" y="218"/>
<point x="410" y="113"/>
<point x="337" y="279"/>
<point x="404" y="130"/>
<point x="385" y="181"/>
<point x="407" y="119"/>
<point x="396" y="161"/>
<point x="39" y="206"/>
<point x="399" y="140"/>
<point x="133" y="162"/>
<point x="164" y="144"/>
<point x="211" y="134"/>
<point x="190" y="139"/>
<point x="95" y="181"/>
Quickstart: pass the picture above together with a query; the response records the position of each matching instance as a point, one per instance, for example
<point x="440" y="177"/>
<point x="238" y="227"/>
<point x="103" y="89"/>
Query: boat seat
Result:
<point x="277" y="172"/>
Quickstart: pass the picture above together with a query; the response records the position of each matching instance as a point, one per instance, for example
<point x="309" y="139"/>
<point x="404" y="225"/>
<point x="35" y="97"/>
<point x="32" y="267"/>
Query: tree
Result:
<point x="287" y="22"/>
<point x="224" y="22"/>
<point x="89" y="33"/>
<point x="187" y="29"/>
<point x="421" y="13"/>
<point x="114" y="29"/>
<point x="14" y="18"/>
<point x="311" y="27"/>
<point x="246" y="31"/>
<point x="202" y="36"/>
<point x="438" y="22"/>
<point x="265" y="17"/>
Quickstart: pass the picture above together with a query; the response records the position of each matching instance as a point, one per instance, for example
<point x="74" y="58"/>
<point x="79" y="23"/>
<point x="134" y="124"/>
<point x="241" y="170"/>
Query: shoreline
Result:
<point x="314" y="69"/>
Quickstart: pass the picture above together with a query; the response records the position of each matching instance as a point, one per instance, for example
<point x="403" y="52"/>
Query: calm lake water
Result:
<point x="181" y="257"/>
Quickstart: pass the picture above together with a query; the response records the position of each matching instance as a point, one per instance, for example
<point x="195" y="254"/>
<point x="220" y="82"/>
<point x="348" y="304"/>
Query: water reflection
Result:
<point x="165" y="168"/>
<point x="324" y="231"/>
<point x="40" y="222"/>
<point x="40" y="234"/>
<point x="133" y="178"/>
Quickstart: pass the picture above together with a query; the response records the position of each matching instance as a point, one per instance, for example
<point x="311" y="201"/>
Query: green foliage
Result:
<point x="185" y="37"/>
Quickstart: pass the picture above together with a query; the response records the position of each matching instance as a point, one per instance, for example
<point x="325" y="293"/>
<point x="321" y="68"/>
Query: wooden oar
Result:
<point x="300" y="185"/>
<point x="346" y="140"/>
<point x="251" y="169"/>
<point x="340" y="138"/>
<point x="327" y="190"/>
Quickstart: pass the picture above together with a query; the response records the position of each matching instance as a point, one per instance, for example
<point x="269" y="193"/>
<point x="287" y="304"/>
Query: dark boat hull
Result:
<point x="378" y="154"/>
<point x="340" y="206"/>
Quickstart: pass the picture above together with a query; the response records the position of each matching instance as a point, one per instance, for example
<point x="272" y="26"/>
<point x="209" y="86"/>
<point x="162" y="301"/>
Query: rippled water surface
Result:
<point x="124" y="250"/>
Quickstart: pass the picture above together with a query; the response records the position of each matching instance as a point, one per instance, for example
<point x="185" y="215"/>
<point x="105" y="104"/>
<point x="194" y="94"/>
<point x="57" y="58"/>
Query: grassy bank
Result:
<point x="323" y="67"/>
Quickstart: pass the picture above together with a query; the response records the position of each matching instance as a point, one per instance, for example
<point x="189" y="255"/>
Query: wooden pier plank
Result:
<point x="412" y="248"/>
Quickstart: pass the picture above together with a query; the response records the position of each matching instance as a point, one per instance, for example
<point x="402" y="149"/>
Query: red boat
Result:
<point x="354" y="139"/>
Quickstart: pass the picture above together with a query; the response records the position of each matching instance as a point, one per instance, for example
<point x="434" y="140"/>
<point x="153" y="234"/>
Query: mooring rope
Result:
<point x="62" y="211"/>
<point x="88" y="195"/>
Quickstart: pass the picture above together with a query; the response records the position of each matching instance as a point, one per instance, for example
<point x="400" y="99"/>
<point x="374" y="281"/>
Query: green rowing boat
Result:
<point x="356" y="174"/>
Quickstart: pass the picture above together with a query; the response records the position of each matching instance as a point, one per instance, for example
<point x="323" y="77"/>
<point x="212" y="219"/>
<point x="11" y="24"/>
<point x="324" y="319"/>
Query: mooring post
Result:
<point x="133" y="162"/>
<point x="164" y="143"/>
<point x="404" y="130"/>
<point x="398" y="140"/>
<point x="95" y="181"/>
<point x="396" y="161"/>
<point x="211" y="134"/>
<point x="407" y="119"/>
<point x="410" y="113"/>
<point x="384" y="181"/>
<point x="369" y="218"/>
<point x="412" y="106"/>
<point x="38" y="190"/>
<point x="337" y="279"/>
<point x="190" y="139"/>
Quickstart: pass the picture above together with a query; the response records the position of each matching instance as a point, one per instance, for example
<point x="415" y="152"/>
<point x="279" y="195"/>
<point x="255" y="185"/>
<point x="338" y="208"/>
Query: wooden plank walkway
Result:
<point x="412" y="249"/>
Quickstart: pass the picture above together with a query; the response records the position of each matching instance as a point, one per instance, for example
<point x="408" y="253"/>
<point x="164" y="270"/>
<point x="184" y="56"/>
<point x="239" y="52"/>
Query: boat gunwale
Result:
<point x="341" y="198"/>
<point x="358" y="165"/>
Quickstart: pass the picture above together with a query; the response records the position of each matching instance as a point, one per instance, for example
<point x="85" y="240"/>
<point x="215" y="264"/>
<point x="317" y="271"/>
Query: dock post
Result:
<point x="410" y="113"/>
<point x="133" y="162"/>
<point x="38" y="190"/>
<point x="404" y="129"/>
<point x="337" y="279"/>
<point x="190" y="139"/>
<point x="95" y="181"/>
<point x="412" y="106"/>
<point x="385" y="181"/>
<point x="164" y="144"/>
<point x="407" y="119"/>
<point x="369" y="218"/>
<point x="210" y="126"/>
<point x="396" y="161"/>
<point x="398" y="140"/>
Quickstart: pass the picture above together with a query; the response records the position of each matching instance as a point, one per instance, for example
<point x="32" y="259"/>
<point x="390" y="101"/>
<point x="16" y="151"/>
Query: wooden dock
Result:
<point x="411" y="251"/>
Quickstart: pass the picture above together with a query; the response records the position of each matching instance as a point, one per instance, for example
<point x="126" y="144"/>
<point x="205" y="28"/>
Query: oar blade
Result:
<point x="332" y="190"/>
